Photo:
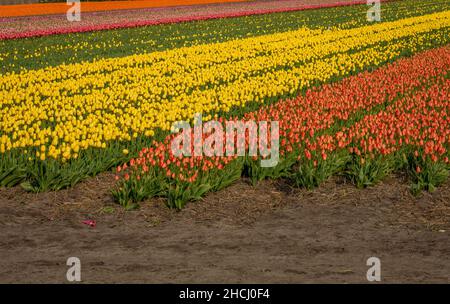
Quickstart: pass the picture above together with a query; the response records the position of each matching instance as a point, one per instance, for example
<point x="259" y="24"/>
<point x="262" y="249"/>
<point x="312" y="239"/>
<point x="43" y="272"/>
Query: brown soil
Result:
<point x="265" y="234"/>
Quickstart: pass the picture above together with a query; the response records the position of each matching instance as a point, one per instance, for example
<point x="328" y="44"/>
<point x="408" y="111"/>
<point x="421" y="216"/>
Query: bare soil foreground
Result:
<point x="268" y="234"/>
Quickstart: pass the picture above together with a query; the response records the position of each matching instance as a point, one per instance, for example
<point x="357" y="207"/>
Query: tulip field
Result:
<point x="352" y="97"/>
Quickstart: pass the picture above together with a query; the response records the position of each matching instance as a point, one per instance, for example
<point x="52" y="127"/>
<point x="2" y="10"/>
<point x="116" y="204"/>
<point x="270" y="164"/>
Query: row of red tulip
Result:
<point x="69" y="27"/>
<point x="420" y="120"/>
<point x="379" y="112"/>
<point x="320" y="108"/>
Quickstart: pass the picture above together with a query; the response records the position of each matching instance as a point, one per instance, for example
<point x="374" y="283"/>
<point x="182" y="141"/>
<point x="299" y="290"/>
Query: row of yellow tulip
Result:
<point x="20" y="54"/>
<point x="70" y="107"/>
